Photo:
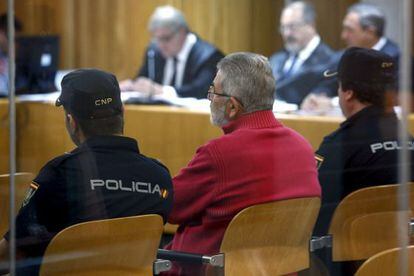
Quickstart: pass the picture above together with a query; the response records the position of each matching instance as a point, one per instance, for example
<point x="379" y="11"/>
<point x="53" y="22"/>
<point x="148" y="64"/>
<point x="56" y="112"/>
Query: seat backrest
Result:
<point x="366" y="222"/>
<point x="22" y="182"/>
<point x="271" y="238"/>
<point x="120" y="246"/>
<point x="387" y="263"/>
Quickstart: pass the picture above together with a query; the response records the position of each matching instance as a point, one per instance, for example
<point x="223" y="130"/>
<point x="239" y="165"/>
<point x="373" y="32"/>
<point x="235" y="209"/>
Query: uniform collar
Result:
<point x="109" y="142"/>
<point x="257" y="119"/>
<point x="367" y="112"/>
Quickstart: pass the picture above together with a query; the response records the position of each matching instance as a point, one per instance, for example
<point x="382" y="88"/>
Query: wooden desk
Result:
<point x="169" y="134"/>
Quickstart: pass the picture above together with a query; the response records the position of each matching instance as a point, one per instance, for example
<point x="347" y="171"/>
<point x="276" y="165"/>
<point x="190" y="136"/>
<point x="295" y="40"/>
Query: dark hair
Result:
<point x="3" y="23"/>
<point x="368" y="93"/>
<point x="105" y="126"/>
<point x="369" y="16"/>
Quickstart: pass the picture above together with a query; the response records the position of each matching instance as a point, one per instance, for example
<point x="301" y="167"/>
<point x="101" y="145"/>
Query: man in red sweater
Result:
<point x="257" y="159"/>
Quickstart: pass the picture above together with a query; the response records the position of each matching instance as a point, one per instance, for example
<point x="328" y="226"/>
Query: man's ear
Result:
<point x="72" y="122"/>
<point x="371" y="30"/>
<point x="348" y="94"/>
<point x="235" y="109"/>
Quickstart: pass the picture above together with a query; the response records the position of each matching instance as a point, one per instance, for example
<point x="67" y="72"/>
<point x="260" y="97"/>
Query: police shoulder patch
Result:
<point x="30" y="192"/>
<point x="319" y="160"/>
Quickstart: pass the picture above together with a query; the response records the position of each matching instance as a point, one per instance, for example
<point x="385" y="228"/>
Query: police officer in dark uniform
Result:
<point x="104" y="177"/>
<point x="364" y="150"/>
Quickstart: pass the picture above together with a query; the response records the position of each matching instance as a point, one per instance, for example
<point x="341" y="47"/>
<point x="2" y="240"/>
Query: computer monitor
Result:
<point x="36" y="63"/>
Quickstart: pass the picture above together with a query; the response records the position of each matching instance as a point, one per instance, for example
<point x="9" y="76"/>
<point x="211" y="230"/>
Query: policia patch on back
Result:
<point x="319" y="160"/>
<point x="29" y="194"/>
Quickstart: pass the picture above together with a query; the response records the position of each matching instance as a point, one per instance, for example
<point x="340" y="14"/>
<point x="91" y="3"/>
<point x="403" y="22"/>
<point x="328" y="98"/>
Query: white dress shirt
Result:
<point x="182" y="57"/>
<point x="380" y="44"/>
<point x="303" y="55"/>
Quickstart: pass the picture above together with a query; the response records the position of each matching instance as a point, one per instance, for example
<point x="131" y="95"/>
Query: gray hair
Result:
<point x="167" y="17"/>
<point x="369" y="16"/>
<point x="248" y="77"/>
<point x="308" y="11"/>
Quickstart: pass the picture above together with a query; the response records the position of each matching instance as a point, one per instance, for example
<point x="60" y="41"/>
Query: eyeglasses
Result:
<point x="291" y="27"/>
<point x="164" y="38"/>
<point x="211" y="92"/>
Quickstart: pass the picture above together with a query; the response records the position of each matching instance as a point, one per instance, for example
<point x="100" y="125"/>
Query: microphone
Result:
<point x="151" y="64"/>
<point x="151" y="69"/>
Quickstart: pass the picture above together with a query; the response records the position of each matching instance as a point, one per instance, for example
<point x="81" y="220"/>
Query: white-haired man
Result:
<point x="178" y="62"/>
<point x="257" y="159"/>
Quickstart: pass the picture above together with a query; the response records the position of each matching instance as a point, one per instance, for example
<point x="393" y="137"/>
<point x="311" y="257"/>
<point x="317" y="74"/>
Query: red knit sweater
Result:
<point x="256" y="160"/>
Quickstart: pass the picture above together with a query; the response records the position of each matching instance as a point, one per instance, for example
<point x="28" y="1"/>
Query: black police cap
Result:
<point x="90" y="94"/>
<point x="365" y="66"/>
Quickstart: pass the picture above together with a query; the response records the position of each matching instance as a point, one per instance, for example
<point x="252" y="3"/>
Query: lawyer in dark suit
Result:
<point x="177" y="63"/>
<point x="198" y="73"/>
<point x="363" y="26"/>
<point x="296" y="87"/>
<point x="298" y="68"/>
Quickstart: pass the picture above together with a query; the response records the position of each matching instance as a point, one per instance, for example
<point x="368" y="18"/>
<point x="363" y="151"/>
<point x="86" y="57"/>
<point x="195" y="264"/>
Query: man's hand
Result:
<point x="143" y="85"/>
<point x="147" y="86"/>
<point x="126" y="85"/>
<point x="318" y="103"/>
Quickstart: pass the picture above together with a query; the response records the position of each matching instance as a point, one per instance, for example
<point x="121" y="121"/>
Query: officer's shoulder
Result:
<point x="158" y="163"/>
<point x="334" y="136"/>
<point x="55" y="162"/>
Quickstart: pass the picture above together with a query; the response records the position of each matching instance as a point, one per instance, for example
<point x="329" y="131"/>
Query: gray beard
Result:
<point x="217" y="116"/>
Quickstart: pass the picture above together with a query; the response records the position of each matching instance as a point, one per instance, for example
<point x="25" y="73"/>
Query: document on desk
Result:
<point x="139" y="98"/>
<point x="189" y="103"/>
<point x="284" y="107"/>
<point x="43" y="97"/>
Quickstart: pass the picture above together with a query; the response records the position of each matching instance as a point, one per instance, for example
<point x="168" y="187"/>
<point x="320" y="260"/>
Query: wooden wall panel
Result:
<point x="265" y="35"/>
<point x="112" y="34"/>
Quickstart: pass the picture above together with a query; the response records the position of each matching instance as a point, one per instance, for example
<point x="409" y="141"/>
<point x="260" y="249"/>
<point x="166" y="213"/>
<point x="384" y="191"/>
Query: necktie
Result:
<point x="289" y="71"/>
<point x="174" y="76"/>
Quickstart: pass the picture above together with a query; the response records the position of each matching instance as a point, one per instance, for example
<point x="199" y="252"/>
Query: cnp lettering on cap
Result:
<point x="105" y="101"/>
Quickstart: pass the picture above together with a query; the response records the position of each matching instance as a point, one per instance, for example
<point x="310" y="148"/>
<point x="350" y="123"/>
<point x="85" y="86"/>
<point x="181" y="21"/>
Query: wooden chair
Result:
<point x="271" y="238"/>
<point x="366" y="222"/>
<point x="22" y="182"/>
<point x="170" y="229"/>
<point x="387" y="263"/>
<point x="121" y="246"/>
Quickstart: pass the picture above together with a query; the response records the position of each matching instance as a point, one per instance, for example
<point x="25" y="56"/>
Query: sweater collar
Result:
<point x="257" y="119"/>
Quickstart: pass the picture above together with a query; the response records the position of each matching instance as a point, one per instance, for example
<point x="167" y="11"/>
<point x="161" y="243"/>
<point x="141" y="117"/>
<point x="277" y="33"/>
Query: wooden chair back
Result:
<point x="387" y="263"/>
<point x="22" y="182"/>
<point x="121" y="246"/>
<point x="271" y="238"/>
<point x="366" y="222"/>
